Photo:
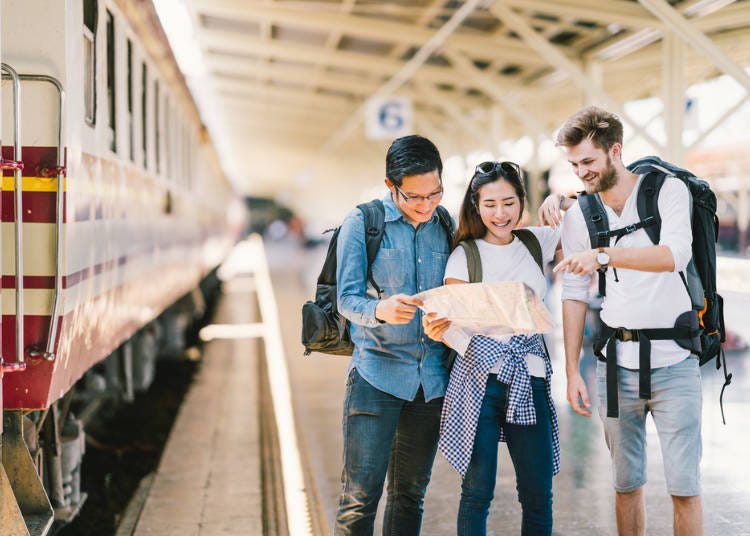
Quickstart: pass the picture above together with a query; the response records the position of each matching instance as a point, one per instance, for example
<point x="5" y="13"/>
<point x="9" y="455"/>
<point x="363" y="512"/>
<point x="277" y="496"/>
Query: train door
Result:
<point x="24" y="507"/>
<point x="11" y="518"/>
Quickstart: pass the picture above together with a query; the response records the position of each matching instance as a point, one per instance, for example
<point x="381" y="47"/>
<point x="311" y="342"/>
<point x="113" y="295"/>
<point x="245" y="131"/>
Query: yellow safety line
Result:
<point x="33" y="184"/>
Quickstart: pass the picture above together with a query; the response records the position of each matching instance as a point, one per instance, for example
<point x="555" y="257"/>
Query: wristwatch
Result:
<point x="602" y="258"/>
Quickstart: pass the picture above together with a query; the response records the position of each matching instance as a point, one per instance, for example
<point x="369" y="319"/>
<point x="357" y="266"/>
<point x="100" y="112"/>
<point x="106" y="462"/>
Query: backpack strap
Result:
<point x="647" y="202"/>
<point x="531" y="242"/>
<point x="596" y="219"/>
<point x="374" y="213"/>
<point x="327" y="274"/>
<point x="446" y="221"/>
<point x="598" y="227"/>
<point x="473" y="260"/>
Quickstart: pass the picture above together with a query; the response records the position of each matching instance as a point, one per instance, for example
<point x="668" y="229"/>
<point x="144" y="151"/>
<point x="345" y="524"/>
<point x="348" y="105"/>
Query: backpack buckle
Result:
<point x="626" y="335"/>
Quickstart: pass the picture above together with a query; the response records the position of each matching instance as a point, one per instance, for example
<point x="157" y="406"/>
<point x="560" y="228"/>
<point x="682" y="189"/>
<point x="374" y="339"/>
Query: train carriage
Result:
<point x="114" y="209"/>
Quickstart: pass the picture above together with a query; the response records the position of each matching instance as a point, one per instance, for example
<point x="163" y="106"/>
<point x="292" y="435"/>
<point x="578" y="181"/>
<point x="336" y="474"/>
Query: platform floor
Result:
<point x="583" y="495"/>
<point x="209" y="478"/>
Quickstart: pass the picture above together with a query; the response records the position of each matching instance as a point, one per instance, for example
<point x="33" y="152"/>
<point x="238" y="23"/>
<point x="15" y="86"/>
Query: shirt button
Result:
<point x="419" y="259"/>
<point x="422" y="339"/>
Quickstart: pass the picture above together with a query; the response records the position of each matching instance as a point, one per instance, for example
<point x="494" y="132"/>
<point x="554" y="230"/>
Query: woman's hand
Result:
<point x="435" y="327"/>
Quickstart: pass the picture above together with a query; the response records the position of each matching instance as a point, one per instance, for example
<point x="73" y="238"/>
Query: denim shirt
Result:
<point x="394" y="358"/>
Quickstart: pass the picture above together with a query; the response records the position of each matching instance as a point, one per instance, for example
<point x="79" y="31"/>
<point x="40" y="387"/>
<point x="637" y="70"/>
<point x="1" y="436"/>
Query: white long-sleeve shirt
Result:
<point x="639" y="300"/>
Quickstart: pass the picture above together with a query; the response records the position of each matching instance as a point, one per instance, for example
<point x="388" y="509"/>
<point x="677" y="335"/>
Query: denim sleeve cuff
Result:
<point x="368" y="314"/>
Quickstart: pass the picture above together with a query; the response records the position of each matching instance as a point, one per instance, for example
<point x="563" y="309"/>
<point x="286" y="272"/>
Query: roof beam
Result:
<point x="490" y="87"/>
<point x="299" y="75"/>
<point x="678" y="24"/>
<point x="246" y="108"/>
<point x="385" y="31"/>
<point x="556" y="58"/>
<point x="226" y="49"/>
<point x="632" y="15"/>
<point x="609" y="12"/>
<point x="294" y="75"/>
<point x="407" y="71"/>
<point x="289" y="96"/>
<point x="454" y="112"/>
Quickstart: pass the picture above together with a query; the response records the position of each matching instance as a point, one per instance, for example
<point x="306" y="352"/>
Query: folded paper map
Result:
<point x="492" y="309"/>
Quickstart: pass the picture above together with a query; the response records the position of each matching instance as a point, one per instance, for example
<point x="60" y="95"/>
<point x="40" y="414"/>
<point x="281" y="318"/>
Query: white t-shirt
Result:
<point x="639" y="300"/>
<point x="510" y="262"/>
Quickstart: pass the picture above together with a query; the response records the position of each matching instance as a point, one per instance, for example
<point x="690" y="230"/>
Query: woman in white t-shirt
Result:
<point x="499" y="389"/>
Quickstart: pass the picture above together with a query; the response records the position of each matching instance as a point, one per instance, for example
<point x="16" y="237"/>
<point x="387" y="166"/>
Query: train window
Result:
<point x="186" y="156"/>
<point x="167" y="139"/>
<point x="111" y="81"/>
<point x="131" y="121"/>
<point x="144" y="114"/>
<point x="89" y="60"/>
<point x="157" y="132"/>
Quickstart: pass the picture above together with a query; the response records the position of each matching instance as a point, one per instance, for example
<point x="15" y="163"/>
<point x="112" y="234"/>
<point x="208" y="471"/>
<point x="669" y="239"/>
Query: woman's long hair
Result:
<point x="470" y="224"/>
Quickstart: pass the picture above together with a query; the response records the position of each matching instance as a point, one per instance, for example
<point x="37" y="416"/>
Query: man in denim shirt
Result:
<point x="397" y="376"/>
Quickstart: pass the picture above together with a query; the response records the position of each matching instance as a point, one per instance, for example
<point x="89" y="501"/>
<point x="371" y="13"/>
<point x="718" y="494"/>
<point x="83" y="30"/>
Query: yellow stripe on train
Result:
<point x="33" y="184"/>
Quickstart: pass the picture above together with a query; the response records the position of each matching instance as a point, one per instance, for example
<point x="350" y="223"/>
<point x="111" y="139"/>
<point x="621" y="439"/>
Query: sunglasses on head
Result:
<point x="490" y="167"/>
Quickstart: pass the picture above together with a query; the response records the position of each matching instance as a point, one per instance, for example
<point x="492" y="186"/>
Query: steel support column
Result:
<point x="673" y="96"/>
<point x="535" y="180"/>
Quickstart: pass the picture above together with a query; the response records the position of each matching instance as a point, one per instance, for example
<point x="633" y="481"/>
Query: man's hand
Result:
<point x="581" y="263"/>
<point x="578" y="396"/>
<point x="397" y="309"/>
<point x="549" y="212"/>
<point x="435" y="327"/>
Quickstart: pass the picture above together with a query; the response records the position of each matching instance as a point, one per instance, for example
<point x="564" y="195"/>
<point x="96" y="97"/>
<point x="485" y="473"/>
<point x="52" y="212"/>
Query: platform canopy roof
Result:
<point x="294" y="75"/>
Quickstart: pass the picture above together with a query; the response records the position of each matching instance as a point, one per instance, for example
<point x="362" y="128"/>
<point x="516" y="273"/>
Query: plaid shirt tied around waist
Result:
<point x="468" y="380"/>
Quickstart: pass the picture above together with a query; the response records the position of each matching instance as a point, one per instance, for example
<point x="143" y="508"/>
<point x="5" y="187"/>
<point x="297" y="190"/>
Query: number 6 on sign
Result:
<point x="388" y="117"/>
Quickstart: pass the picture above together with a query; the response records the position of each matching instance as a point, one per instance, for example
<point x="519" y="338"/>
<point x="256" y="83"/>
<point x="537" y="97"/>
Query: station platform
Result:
<point x="210" y="479"/>
<point x="213" y="478"/>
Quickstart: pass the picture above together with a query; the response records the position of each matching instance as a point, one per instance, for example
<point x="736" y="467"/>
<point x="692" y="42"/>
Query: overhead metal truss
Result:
<point x="286" y="63"/>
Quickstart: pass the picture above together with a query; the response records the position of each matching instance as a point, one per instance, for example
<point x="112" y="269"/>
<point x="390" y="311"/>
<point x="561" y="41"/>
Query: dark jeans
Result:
<point x="384" y="434"/>
<point x="530" y="449"/>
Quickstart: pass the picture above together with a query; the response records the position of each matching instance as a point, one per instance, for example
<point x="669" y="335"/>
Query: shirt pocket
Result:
<point x="389" y="270"/>
<point x="439" y="260"/>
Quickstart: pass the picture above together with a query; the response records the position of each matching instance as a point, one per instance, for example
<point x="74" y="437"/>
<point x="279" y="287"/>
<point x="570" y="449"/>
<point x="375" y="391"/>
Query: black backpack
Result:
<point x="324" y="329"/>
<point x="700" y="276"/>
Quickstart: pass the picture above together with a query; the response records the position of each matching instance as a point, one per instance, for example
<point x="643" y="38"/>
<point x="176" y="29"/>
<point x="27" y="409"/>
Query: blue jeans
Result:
<point x="384" y="434"/>
<point x="530" y="449"/>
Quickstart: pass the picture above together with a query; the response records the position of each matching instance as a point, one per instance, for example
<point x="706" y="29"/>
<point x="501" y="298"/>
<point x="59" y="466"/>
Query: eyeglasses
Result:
<point x="490" y="167"/>
<point x="414" y="200"/>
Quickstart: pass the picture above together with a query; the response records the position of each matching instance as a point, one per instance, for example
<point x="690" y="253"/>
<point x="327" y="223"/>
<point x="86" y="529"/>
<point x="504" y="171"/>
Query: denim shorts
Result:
<point x="675" y="406"/>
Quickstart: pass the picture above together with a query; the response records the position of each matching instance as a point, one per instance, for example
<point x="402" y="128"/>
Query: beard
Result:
<point x="607" y="179"/>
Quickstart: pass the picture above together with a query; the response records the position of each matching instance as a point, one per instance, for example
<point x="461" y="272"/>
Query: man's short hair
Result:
<point x="411" y="155"/>
<point x="603" y="128"/>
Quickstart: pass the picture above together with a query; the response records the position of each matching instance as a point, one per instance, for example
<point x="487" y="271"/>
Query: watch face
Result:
<point x="602" y="258"/>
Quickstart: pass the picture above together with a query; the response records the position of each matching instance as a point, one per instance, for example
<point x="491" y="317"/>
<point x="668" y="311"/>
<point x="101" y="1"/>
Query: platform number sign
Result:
<point x="388" y="117"/>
